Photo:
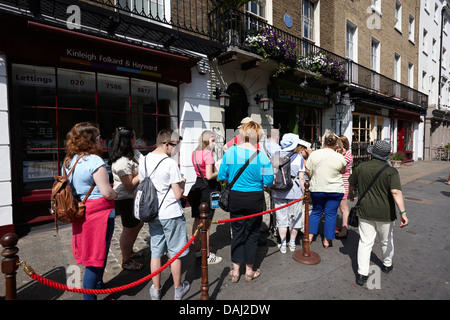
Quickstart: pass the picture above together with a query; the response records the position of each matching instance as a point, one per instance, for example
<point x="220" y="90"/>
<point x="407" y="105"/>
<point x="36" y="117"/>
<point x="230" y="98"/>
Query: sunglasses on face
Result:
<point x="172" y="144"/>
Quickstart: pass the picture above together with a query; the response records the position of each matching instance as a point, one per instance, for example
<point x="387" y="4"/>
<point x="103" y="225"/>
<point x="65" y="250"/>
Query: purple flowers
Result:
<point x="271" y="45"/>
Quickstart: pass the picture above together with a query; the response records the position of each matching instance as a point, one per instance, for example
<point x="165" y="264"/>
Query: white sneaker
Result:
<point x="182" y="290"/>
<point x="213" y="259"/>
<point x="155" y="294"/>
<point x="282" y="248"/>
<point x="291" y="246"/>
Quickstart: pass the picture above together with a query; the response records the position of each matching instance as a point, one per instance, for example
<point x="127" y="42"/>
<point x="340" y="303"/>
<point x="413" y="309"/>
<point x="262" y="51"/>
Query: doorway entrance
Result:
<point x="238" y="108"/>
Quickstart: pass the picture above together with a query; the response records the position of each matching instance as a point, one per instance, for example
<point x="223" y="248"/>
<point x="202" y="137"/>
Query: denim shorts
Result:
<point x="168" y="235"/>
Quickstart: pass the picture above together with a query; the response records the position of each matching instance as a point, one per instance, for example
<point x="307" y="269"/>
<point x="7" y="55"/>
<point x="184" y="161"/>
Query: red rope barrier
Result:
<point x="64" y="287"/>
<point x="257" y="214"/>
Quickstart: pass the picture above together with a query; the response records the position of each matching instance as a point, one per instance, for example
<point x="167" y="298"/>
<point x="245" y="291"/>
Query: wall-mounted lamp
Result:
<point x="263" y="103"/>
<point x="224" y="99"/>
<point x="304" y="84"/>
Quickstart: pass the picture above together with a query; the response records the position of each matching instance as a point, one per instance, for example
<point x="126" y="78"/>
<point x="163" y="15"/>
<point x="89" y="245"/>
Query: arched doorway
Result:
<point x="238" y="108"/>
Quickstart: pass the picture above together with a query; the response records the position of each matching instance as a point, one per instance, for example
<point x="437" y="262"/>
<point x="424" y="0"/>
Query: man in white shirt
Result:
<point x="168" y="230"/>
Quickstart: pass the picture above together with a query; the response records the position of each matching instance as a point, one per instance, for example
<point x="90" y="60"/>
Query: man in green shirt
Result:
<point x="376" y="211"/>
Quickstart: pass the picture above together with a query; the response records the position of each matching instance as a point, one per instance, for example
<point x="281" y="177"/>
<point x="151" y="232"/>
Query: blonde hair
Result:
<point x="251" y="132"/>
<point x="203" y="140"/>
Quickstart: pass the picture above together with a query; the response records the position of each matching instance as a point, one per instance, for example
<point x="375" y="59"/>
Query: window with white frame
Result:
<point x="255" y="7"/>
<point x="375" y="55"/>
<point x="431" y="90"/>
<point x="155" y="9"/>
<point x="376" y="5"/>
<point x="351" y="42"/>
<point x="433" y="49"/>
<point x="411" y="28"/>
<point x="308" y="19"/>
<point x="436" y="13"/>
<point x="444" y="58"/>
<point x="425" y="42"/>
<point x="397" y="67"/>
<point x="424" y="81"/>
<point x="398" y="16"/>
<point x="410" y="74"/>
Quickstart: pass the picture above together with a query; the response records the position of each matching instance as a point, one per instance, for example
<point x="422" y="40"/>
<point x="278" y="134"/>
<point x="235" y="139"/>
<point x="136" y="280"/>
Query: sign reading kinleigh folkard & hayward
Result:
<point x="286" y="92"/>
<point x="107" y="61"/>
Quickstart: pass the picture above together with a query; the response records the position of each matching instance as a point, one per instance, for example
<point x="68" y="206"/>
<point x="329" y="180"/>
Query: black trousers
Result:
<point x="245" y="233"/>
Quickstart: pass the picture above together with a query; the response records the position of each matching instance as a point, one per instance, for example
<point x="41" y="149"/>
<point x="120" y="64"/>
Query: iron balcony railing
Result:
<point x="211" y="20"/>
<point x="208" y="27"/>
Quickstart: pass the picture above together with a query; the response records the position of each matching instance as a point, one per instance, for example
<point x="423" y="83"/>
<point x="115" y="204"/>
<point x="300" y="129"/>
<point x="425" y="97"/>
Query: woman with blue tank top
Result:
<point x="246" y="197"/>
<point x="91" y="234"/>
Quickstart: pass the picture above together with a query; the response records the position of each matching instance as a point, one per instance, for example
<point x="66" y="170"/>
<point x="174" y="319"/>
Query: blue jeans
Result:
<point x="324" y="202"/>
<point x="93" y="276"/>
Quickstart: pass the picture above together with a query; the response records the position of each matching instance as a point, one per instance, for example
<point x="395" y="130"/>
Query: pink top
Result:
<point x="349" y="159"/>
<point x="202" y="158"/>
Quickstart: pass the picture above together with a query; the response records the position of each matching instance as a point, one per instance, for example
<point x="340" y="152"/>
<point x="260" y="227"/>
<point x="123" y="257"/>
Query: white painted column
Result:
<point x="6" y="217"/>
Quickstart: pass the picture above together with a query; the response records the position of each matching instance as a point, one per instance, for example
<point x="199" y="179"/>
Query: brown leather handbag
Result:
<point x="64" y="207"/>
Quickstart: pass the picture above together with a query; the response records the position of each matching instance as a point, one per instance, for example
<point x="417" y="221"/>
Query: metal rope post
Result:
<point x="10" y="264"/>
<point x="204" y="208"/>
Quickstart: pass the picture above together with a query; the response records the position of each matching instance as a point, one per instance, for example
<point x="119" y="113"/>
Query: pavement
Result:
<point x="421" y="261"/>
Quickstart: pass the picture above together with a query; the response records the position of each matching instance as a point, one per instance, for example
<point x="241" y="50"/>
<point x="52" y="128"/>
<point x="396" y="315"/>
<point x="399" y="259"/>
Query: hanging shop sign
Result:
<point x="289" y="92"/>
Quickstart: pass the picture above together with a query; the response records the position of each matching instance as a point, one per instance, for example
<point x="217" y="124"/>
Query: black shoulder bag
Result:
<point x="213" y="195"/>
<point x="352" y="217"/>
<point x="225" y="193"/>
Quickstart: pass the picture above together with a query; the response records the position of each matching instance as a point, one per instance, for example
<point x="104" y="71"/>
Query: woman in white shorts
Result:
<point x="290" y="218"/>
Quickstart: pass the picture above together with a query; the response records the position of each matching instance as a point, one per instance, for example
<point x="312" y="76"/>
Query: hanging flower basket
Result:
<point x="270" y="45"/>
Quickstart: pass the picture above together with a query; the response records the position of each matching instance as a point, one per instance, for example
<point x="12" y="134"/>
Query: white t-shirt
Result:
<point x="164" y="176"/>
<point x="123" y="167"/>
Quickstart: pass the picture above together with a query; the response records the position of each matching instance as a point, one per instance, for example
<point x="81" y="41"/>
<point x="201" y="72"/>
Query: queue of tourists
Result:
<point x="264" y="174"/>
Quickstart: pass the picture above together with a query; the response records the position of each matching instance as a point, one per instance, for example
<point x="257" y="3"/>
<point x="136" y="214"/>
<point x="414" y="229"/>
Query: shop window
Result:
<point x="43" y="111"/>
<point x="35" y="144"/>
<point x="67" y="119"/>
<point x="361" y="128"/>
<point x="76" y="89"/>
<point x="310" y="129"/>
<point x="113" y="92"/>
<point x="33" y="86"/>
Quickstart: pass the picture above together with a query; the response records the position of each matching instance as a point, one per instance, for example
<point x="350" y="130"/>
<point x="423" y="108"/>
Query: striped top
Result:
<point x="349" y="160"/>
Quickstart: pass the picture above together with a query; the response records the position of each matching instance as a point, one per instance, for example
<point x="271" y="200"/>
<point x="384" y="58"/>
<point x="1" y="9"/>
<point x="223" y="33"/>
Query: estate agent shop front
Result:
<point x="52" y="78"/>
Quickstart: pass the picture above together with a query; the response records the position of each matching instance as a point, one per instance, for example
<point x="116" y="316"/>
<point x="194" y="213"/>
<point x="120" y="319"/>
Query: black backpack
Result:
<point x="146" y="206"/>
<point x="282" y="170"/>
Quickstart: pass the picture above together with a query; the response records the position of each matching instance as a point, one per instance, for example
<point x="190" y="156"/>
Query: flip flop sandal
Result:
<point x="234" y="278"/>
<point x="253" y="276"/>
<point x="132" y="266"/>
